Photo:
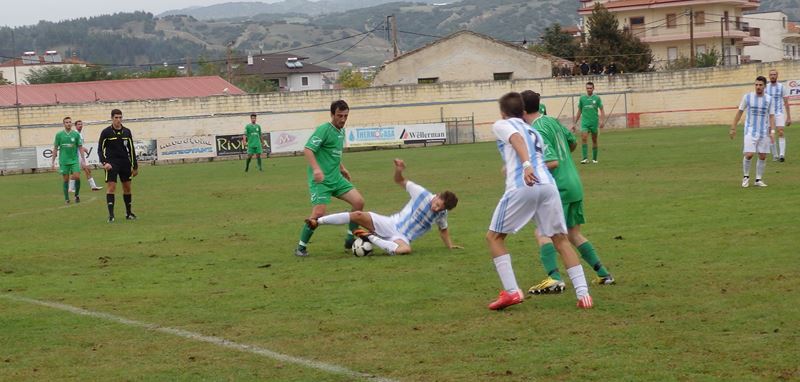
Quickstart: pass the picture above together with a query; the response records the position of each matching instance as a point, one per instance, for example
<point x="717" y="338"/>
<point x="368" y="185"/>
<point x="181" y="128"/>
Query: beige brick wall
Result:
<point x="693" y="97"/>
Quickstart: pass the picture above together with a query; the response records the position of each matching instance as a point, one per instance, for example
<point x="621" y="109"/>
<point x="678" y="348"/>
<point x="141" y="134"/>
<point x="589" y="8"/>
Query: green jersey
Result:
<point x="67" y="144"/>
<point x="589" y="106"/>
<point x="327" y="143"/>
<point x="557" y="140"/>
<point x="253" y="133"/>
<point x="542" y="109"/>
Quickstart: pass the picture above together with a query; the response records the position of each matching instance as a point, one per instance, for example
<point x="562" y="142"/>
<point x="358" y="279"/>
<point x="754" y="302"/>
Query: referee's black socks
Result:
<point x="127" y="198"/>
<point x="110" y="202"/>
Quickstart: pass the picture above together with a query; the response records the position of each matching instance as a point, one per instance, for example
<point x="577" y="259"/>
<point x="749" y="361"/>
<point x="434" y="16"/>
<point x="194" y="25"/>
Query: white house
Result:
<point x="780" y="38"/>
<point x="30" y="61"/>
<point x="288" y="72"/>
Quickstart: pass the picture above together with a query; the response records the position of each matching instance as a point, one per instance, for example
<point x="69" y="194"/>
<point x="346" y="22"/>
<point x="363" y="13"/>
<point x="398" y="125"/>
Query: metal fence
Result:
<point x="460" y="130"/>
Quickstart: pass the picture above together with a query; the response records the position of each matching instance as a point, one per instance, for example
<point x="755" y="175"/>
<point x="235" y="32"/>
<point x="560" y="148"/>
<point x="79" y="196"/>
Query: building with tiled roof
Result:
<point x="288" y="72"/>
<point x="30" y="61"/>
<point x="780" y="38"/>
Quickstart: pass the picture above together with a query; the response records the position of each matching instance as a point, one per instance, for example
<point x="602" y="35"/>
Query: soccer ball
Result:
<point x="362" y="248"/>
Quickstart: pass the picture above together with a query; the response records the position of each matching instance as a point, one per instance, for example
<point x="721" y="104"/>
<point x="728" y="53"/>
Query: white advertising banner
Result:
<point x="423" y="133"/>
<point x="44" y="155"/>
<point x="197" y="146"/>
<point x="396" y="134"/>
<point x="290" y="140"/>
<point x="794" y="88"/>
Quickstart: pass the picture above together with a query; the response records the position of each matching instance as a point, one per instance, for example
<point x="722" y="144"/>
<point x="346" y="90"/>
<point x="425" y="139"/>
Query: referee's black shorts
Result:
<point x="123" y="171"/>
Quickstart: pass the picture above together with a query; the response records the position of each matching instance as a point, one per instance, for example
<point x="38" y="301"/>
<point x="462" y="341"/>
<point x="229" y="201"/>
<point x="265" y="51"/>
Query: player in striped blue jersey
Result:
<point x="531" y="194"/>
<point x="395" y="233"/>
<point x="780" y="100"/>
<point x="759" y="130"/>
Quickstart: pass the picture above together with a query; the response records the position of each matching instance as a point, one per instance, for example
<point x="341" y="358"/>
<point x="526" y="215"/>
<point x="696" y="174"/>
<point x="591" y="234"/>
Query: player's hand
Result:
<point x="134" y="173"/>
<point x="530" y="179"/>
<point x="53" y="165"/>
<point x="319" y="177"/>
<point x="346" y="174"/>
<point x="574" y="129"/>
<point x="602" y="125"/>
<point x="788" y="121"/>
<point x="107" y="166"/>
<point x="399" y="164"/>
<point x="732" y="132"/>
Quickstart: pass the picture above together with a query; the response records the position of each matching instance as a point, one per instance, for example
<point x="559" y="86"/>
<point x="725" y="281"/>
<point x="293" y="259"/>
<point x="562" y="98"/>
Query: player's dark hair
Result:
<point x="511" y="105"/>
<point x="762" y="79"/>
<point x="78" y="121"/>
<point x="253" y="115"/>
<point x="65" y="119"/>
<point x="590" y="83"/>
<point x="450" y="200"/>
<point x="531" y="100"/>
<point x="339" y="105"/>
<point x="115" y="112"/>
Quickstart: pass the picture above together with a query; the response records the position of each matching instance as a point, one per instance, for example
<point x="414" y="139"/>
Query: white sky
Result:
<point x="29" y="12"/>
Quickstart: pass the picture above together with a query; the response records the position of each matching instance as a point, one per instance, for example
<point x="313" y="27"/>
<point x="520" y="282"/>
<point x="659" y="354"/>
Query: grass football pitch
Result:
<point x="707" y="275"/>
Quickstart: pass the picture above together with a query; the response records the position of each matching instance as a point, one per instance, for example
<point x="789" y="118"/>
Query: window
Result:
<point x="738" y="23"/>
<point x="672" y="54"/>
<point x="304" y="80"/>
<point x="794" y="50"/>
<point x="784" y="23"/>
<point x="503" y="76"/>
<point x="428" y="80"/>
<point x="672" y="20"/>
<point x="700" y="49"/>
<point x="786" y="50"/>
<point x="700" y="18"/>
<point x="637" y="25"/>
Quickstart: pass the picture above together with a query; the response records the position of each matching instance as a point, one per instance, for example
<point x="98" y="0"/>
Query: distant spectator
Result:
<point x="584" y="68"/>
<point x="556" y="71"/>
<point x="596" y="68"/>
<point x="565" y="70"/>
<point x="611" y="70"/>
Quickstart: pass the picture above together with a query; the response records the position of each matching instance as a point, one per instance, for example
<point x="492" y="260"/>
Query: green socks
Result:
<point x="594" y="153"/>
<point x="66" y="190"/>
<point x="258" y="161"/>
<point x="247" y="164"/>
<point x="585" y="151"/>
<point x="77" y="187"/>
<point x="350" y="228"/>
<point x="305" y="236"/>
<point x="548" y="255"/>
<point x="590" y="256"/>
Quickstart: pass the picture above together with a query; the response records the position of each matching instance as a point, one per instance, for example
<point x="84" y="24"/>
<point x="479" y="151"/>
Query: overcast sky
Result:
<point x="27" y="12"/>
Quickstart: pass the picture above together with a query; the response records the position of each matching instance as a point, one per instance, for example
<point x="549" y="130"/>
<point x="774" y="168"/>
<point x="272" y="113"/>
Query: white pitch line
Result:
<point x="93" y="198"/>
<point x="330" y="368"/>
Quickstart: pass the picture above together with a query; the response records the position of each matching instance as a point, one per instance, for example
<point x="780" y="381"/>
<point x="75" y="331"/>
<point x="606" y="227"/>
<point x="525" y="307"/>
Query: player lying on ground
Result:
<point x="395" y="233"/>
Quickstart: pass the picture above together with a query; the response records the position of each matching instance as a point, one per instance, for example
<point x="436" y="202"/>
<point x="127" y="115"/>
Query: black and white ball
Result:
<point x="362" y="248"/>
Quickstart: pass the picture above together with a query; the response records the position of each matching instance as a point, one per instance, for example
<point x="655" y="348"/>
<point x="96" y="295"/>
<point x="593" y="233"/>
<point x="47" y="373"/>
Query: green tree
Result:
<point x="353" y="80"/>
<point x="253" y="83"/>
<point x="609" y="44"/>
<point x="71" y="73"/>
<point x="559" y="43"/>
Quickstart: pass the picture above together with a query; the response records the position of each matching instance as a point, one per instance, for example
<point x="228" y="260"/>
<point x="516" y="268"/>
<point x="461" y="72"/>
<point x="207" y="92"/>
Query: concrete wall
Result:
<point x="465" y="57"/>
<point x="295" y="82"/>
<point x="692" y="97"/>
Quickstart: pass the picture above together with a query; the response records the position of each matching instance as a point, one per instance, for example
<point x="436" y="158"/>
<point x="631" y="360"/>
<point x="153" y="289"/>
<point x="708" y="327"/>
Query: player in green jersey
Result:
<point x="559" y="143"/>
<point x="587" y="115"/>
<point x="252" y="140"/>
<point x="542" y="109"/>
<point x="327" y="176"/>
<point x="67" y="147"/>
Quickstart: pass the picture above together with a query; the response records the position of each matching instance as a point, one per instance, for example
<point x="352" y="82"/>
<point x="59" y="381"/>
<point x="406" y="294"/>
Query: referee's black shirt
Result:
<point x="116" y="147"/>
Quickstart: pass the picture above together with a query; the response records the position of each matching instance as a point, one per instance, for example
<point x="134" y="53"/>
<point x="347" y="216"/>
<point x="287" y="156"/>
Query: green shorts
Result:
<point x="573" y="213"/>
<point x="252" y="150"/>
<point x="589" y="129"/>
<point x="66" y="169"/>
<point x="321" y="193"/>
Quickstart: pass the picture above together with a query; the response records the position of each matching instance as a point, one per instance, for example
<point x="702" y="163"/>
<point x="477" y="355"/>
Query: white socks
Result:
<point x="746" y="166"/>
<point x="92" y="184"/>
<point x="506" y="272"/>
<point x="72" y="185"/>
<point x="760" y="165"/>
<point x="773" y="150"/>
<point x="782" y="144"/>
<point x="337" y="219"/>
<point x="389" y="246"/>
<point x="578" y="281"/>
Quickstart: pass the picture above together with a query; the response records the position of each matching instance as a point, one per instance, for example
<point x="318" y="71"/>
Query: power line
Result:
<point x="351" y="46"/>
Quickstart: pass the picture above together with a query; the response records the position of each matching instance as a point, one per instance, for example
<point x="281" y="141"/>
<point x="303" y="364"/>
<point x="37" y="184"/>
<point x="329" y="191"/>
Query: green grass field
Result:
<point x="707" y="274"/>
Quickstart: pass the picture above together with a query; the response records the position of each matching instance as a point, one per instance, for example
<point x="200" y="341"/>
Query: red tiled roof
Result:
<point x="117" y="90"/>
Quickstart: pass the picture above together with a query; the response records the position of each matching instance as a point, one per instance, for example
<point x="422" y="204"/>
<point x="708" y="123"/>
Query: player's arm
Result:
<point x="55" y="154"/>
<point x="736" y="119"/>
<point x="551" y="164"/>
<point x="445" y="235"/>
<point x="343" y="171"/>
<point x="134" y="161"/>
<point x="788" y="114"/>
<point x="577" y="118"/>
<point x="521" y="149"/>
<point x="312" y="162"/>
<point x="399" y="166"/>
<point x="602" y="116"/>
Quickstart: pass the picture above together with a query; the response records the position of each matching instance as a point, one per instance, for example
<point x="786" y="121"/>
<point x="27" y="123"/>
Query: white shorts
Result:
<point x="756" y="145"/>
<point x="780" y="120"/>
<point x="519" y="206"/>
<point x="385" y="228"/>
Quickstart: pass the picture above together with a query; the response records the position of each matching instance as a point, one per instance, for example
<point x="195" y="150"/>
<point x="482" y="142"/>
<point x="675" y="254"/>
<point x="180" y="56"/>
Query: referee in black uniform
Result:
<point x="118" y="158"/>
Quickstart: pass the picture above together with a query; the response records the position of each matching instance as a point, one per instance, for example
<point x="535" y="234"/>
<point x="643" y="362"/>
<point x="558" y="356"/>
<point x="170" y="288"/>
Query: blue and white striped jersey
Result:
<point x="417" y="218"/>
<point x="778" y="92"/>
<point x="758" y="110"/>
<point x="515" y="176"/>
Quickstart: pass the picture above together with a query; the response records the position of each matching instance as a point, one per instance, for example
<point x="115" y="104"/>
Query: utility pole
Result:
<point x="188" y="66"/>
<point x="691" y="38"/>
<point x="230" y="73"/>
<point x="394" y="35"/>
<point x="722" y="21"/>
<point x="16" y="82"/>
